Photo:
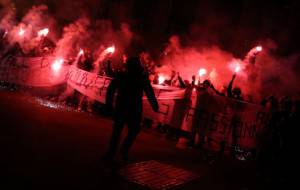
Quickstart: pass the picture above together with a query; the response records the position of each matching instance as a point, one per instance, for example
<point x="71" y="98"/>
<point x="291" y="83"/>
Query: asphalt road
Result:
<point x="49" y="148"/>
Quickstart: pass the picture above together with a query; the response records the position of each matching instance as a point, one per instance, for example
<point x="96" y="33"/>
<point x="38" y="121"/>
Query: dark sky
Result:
<point x="234" y="25"/>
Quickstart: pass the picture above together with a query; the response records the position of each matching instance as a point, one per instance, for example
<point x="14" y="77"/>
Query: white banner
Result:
<point x="95" y="86"/>
<point x="89" y="84"/>
<point x="222" y="119"/>
<point x="36" y="72"/>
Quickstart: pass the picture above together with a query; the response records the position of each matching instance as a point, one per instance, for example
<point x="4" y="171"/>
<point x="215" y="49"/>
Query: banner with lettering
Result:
<point x="88" y="84"/>
<point x="221" y="120"/>
<point x="35" y="72"/>
<point x="169" y="98"/>
<point x="172" y="104"/>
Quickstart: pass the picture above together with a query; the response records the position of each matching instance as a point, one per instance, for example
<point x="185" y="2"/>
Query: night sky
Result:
<point x="234" y="26"/>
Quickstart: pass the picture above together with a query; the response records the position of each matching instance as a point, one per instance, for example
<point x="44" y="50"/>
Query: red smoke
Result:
<point x="188" y="60"/>
<point x="259" y="73"/>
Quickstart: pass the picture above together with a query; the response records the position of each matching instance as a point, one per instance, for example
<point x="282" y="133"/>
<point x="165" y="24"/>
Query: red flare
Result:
<point x="237" y="68"/>
<point x="21" y="32"/>
<point x="258" y="48"/>
<point x="43" y="32"/>
<point x="161" y="79"/>
<point x="110" y="49"/>
<point x="202" y="72"/>
<point x="57" y="64"/>
<point x="81" y="52"/>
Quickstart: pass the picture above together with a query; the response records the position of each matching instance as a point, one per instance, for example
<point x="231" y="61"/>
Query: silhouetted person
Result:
<point x="269" y="140"/>
<point x="204" y="98"/>
<point x="236" y="92"/>
<point x="130" y="86"/>
<point x="193" y="81"/>
<point x="85" y="63"/>
<point x="172" y="80"/>
<point x="181" y="82"/>
<point x="45" y="46"/>
<point x="13" y="50"/>
<point x="109" y="70"/>
<point x="155" y="80"/>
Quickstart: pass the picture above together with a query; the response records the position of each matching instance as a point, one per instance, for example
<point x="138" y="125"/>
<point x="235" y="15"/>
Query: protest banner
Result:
<point x="223" y="120"/>
<point x="87" y="83"/>
<point x="95" y="86"/>
<point x="34" y="72"/>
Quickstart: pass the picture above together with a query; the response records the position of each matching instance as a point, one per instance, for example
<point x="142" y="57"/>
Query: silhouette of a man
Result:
<point x="130" y="86"/>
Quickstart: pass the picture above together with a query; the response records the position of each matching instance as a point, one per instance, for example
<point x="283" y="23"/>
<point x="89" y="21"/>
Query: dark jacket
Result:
<point x="129" y="102"/>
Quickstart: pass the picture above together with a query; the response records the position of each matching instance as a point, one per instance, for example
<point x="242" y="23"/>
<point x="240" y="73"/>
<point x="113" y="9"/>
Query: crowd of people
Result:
<point x="275" y="152"/>
<point x="276" y="145"/>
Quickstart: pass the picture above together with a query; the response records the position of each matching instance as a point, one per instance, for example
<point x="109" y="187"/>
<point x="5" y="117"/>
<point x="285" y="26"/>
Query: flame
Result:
<point x="258" y="48"/>
<point x="21" y="32"/>
<point x="57" y="64"/>
<point x="110" y="49"/>
<point x="237" y="68"/>
<point x="43" y="32"/>
<point x="124" y="57"/>
<point x="202" y="72"/>
<point x="5" y="34"/>
<point x="81" y="52"/>
<point x="161" y="79"/>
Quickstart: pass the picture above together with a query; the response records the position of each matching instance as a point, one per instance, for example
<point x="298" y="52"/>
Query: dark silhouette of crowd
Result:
<point x="275" y="154"/>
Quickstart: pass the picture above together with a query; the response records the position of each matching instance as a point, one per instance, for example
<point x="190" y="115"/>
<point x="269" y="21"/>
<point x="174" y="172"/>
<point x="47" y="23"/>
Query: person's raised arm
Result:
<point x="181" y="83"/>
<point x="215" y="90"/>
<point x="229" y="89"/>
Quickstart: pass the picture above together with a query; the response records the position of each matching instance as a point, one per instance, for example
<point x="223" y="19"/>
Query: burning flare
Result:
<point x="258" y="48"/>
<point x="21" y="32"/>
<point x="57" y="64"/>
<point x="44" y="32"/>
<point x="110" y="49"/>
<point x="237" y="68"/>
<point x="81" y="52"/>
<point x="202" y="72"/>
<point x="161" y="79"/>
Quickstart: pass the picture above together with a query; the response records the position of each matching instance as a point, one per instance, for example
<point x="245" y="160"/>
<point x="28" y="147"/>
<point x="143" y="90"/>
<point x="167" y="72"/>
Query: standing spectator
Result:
<point x="128" y="108"/>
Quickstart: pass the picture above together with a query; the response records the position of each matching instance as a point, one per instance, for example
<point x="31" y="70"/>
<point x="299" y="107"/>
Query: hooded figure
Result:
<point x="130" y="86"/>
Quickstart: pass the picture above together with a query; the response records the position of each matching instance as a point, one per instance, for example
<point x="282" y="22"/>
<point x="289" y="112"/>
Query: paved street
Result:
<point x="47" y="148"/>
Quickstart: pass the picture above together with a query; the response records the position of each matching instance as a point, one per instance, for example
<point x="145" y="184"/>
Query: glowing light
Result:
<point x="161" y="79"/>
<point x="258" y="48"/>
<point x="81" y="52"/>
<point x="43" y="32"/>
<point x="237" y="68"/>
<point x="21" y="32"/>
<point x="202" y="72"/>
<point x="5" y="34"/>
<point x="110" y="49"/>
<point x="57" y="64"/>
<point x="124" y="57"/>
